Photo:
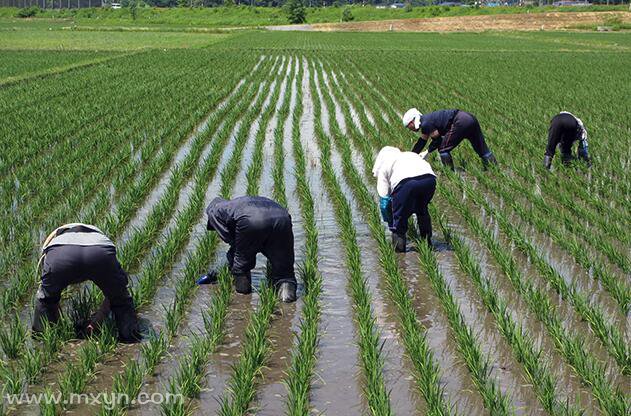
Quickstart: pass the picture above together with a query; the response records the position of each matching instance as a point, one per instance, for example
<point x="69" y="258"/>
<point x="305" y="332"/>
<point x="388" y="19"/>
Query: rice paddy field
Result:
<point x="522" y="307"/>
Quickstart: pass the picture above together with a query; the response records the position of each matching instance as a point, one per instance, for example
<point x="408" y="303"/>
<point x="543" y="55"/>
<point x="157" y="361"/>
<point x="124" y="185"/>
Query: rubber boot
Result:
<point x="287" y="292"/>
<point x="127" y="324"/>
<point x="547" y="162"/>
<point x="44" y="312"/>
<point x="447" y="160"/>
<point x="425" y="228"/>
<point x="489" y="159"/>
<point x="566" y="159"/>
<point x="398" y="242"/>
<point x="243" y="283"/>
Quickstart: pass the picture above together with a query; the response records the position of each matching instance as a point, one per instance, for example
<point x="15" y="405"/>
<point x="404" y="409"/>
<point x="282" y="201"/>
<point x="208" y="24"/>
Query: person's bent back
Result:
<point x="77" y="252"/>
<point x="251" y="225"/>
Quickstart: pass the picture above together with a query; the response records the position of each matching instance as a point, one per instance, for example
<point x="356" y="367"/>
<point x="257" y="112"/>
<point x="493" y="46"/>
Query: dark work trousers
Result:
<point x="412" y="196"/>
<point x="274" y="238"/>
<point x="465" y="126"/>
<point x="70" y="264"/>
<point x="563" y="132"/>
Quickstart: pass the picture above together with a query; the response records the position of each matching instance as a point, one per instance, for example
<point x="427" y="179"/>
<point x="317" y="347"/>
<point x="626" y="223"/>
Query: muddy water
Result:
<point x="503" y="365"/>
<point x="272" y="393"/>
<point x="165" y="295"/>
<point x="568" y="386"/>
<point x="248" y="152"/>
<point x="571" y="320"/>
<point x="335" y="389"/>
<point x="267" y="183"/>
<point x="572" y="273"/>
<point x="504" y="369"/>
<point x="568" y="380"/>
<point x="219" y="369"/>
<point x="367" y="112"/>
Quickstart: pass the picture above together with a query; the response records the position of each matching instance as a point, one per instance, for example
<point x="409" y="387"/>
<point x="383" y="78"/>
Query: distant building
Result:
<point x="397" y="5"/>
<point x="450" y="4"/>
<point x="570" y="3"/>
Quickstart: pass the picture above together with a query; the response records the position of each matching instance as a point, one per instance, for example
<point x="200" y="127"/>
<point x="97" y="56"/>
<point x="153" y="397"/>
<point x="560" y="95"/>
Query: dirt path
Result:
<point x="522" y="21"/>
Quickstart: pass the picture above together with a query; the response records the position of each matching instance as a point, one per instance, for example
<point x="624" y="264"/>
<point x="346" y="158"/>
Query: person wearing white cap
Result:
<point x="446" y="129"/>
<point x="406" y="184"/>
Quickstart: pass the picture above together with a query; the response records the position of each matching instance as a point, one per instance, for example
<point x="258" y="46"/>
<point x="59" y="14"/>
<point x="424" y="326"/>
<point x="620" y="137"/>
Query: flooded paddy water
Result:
<point x="338" y="384"/>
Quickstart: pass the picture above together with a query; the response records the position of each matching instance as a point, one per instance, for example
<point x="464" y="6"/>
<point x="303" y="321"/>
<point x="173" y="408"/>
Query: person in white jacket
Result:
<point x="406" y="184"/>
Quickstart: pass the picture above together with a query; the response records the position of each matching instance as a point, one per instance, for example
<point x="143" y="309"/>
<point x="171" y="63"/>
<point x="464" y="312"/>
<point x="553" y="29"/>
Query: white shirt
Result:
<point x="392" y="166"/>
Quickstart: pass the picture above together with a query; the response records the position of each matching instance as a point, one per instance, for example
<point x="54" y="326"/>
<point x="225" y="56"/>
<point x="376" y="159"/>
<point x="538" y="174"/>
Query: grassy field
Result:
<point x="521" y="308"/>
<point x="241" y="16"/>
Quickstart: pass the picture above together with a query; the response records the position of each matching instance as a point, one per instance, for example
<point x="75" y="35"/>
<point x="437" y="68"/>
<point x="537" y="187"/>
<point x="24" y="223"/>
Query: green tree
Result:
<point x="295" y="11"/>
<point x="347" y="15"/>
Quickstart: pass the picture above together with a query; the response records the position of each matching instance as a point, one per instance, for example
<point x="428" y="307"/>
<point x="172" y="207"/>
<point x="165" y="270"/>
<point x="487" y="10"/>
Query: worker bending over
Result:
<point x="251" y="225"/>
<point x="406" y="185"/>
<point x="565" y="129"/>
<point x="446" y="129"/>
<point x="74" y="253"/>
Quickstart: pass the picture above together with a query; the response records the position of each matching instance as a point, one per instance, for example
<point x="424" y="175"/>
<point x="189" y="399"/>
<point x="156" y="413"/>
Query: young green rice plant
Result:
<point x="479" y="366"/>
<point x="191" y="372"/>
<point x="153" y="351"/>
<point x="12" y="379"/>
<point x="608" y="334"/>
<point x="13" y="338"/>
<point x="301" y="369"/>
<point x="571" y="346"/>
<point x="172" y="318"/>
<point x="524" y="349"/>
<point x="241" y="385"/>
<point x="81" y="309"/>
<point x="176" y="407"/>
<point x="48" y="405"/>
<point x="32" y="363"/>
<point x="426" y="373"/>
<point x="127" y="385"/>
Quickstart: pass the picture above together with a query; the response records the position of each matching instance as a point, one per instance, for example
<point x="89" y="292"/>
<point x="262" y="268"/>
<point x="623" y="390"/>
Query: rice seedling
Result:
<point x="153" y="351"/>
<point x="12" y="379"/>
<point x="149" y="181"/>
<point x="12" y="338"/>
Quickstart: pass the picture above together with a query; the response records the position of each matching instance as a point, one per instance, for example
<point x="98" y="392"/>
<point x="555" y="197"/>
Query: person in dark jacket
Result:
<point x="446" y="129"/>
<point x="565" y="129"/>
<point x="74" y="253"/>
<point x="252" y="225"/>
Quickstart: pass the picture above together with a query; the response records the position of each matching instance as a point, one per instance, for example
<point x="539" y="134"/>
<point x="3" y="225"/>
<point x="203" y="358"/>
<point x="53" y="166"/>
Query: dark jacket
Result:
<point x="226" y="216"/>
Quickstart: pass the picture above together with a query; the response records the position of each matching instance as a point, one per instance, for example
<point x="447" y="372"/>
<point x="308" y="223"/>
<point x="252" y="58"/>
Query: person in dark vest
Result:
<point x="446" y="129"/>
<point x="252" y="225"/>
<point x="565" y="129"/>
<point x="406" y="184"/>
<point x="74" y="253"/>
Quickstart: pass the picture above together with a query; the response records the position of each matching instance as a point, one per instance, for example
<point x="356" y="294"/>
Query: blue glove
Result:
<point x="385" y="206"/>
<point x="211" y="277"/>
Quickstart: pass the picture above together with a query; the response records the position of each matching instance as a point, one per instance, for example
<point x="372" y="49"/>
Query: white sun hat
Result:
<point x="412" y="115"/>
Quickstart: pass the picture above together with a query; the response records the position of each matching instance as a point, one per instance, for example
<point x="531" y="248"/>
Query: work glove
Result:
<point x="209" y="278"/>
<point x="583" y="152"/>
<point x="385" y="206"/>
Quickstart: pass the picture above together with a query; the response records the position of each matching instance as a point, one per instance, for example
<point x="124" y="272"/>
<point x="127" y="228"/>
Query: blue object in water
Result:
<point x="207" y="279"/>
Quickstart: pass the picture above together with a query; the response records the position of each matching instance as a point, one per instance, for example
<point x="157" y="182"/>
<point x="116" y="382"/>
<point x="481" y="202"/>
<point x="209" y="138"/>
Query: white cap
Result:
<point x="412" y="115"/>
